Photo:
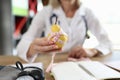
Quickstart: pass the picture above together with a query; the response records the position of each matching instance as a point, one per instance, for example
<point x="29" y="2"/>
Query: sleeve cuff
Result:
<point x="104" y="50"/>
<point x="22" y="52"/>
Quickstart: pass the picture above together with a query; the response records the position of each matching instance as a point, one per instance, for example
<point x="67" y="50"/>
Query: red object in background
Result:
<point x="19" y="26"/>
<point x="33" y="5"/>
<point x="20" y="21"/>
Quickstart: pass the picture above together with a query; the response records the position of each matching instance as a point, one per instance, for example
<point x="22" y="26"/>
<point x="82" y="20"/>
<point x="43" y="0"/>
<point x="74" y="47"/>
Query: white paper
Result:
<point x="83" y="70"/>
<point x="69" y="71"/>
<point x="99" y="70"/>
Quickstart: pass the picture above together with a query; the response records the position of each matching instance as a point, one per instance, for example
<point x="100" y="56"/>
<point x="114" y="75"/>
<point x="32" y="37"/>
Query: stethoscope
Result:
<point x="29" y="73"/>
<point x="53" y="18"/>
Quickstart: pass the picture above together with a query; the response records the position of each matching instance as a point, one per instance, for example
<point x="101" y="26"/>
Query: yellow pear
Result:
<point x="55" y="28"/>
<point x="60" y="36"/>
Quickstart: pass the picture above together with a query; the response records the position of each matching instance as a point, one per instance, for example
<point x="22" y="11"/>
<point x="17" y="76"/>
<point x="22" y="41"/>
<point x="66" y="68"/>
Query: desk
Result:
<point x="45" y="59"/>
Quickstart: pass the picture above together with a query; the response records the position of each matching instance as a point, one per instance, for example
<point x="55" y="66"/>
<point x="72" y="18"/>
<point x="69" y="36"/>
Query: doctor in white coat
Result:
<point x="70" y="18"/>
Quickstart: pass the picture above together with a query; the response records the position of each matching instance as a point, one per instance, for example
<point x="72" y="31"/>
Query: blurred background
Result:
<point x="16" y="16"/>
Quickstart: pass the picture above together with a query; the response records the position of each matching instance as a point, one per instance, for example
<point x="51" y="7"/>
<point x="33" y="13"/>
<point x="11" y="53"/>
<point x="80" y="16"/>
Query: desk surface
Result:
<point x="45" y="59"/>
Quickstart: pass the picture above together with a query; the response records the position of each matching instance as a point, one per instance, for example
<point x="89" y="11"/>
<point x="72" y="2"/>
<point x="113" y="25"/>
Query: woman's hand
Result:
<point x="80" y="53"/>
<point x="77" y="52"/>
<point x="42" y="45"/>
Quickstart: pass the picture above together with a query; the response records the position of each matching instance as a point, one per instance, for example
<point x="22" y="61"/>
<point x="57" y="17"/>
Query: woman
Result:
<point x="70" y="15"/>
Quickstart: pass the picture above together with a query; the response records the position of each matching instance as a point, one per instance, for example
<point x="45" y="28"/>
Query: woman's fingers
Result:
<point x="43" y="42"/>
<point x="42" y="45"/>
<point x="80" y="59"/>
<point x="77" y="52"/>
<point x="46" y="48"/>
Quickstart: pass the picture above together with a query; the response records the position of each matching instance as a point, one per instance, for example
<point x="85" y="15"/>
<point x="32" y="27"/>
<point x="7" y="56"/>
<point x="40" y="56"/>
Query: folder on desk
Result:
<point x="114" y="65"/>
<point x="84" y="70"/>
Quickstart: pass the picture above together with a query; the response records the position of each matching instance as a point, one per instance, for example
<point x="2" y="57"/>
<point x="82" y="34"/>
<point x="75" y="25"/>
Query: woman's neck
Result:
<point x="70" y="9"/>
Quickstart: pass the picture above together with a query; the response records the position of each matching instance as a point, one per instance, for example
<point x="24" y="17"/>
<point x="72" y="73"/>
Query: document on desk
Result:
<point x="113" y="64"/>
<point x="84" y="70"/>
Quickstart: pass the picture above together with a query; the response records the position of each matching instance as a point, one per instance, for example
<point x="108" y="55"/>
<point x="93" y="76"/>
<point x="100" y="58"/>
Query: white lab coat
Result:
<point x="76" y="30"/>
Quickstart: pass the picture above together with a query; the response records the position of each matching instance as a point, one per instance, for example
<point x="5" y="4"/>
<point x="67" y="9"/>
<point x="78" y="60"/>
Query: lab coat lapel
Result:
<point x="62" y="18"/>
<point x="78" y="16"/>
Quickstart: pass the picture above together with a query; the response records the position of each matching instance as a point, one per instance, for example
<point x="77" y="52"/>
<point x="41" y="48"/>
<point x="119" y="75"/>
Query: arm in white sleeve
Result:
<point x="34" y="31"/>
<point x="96" y="29"/>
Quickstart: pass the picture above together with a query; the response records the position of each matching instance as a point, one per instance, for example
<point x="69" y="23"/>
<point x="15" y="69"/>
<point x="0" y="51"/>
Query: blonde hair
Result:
<point x="56" y="3"/>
